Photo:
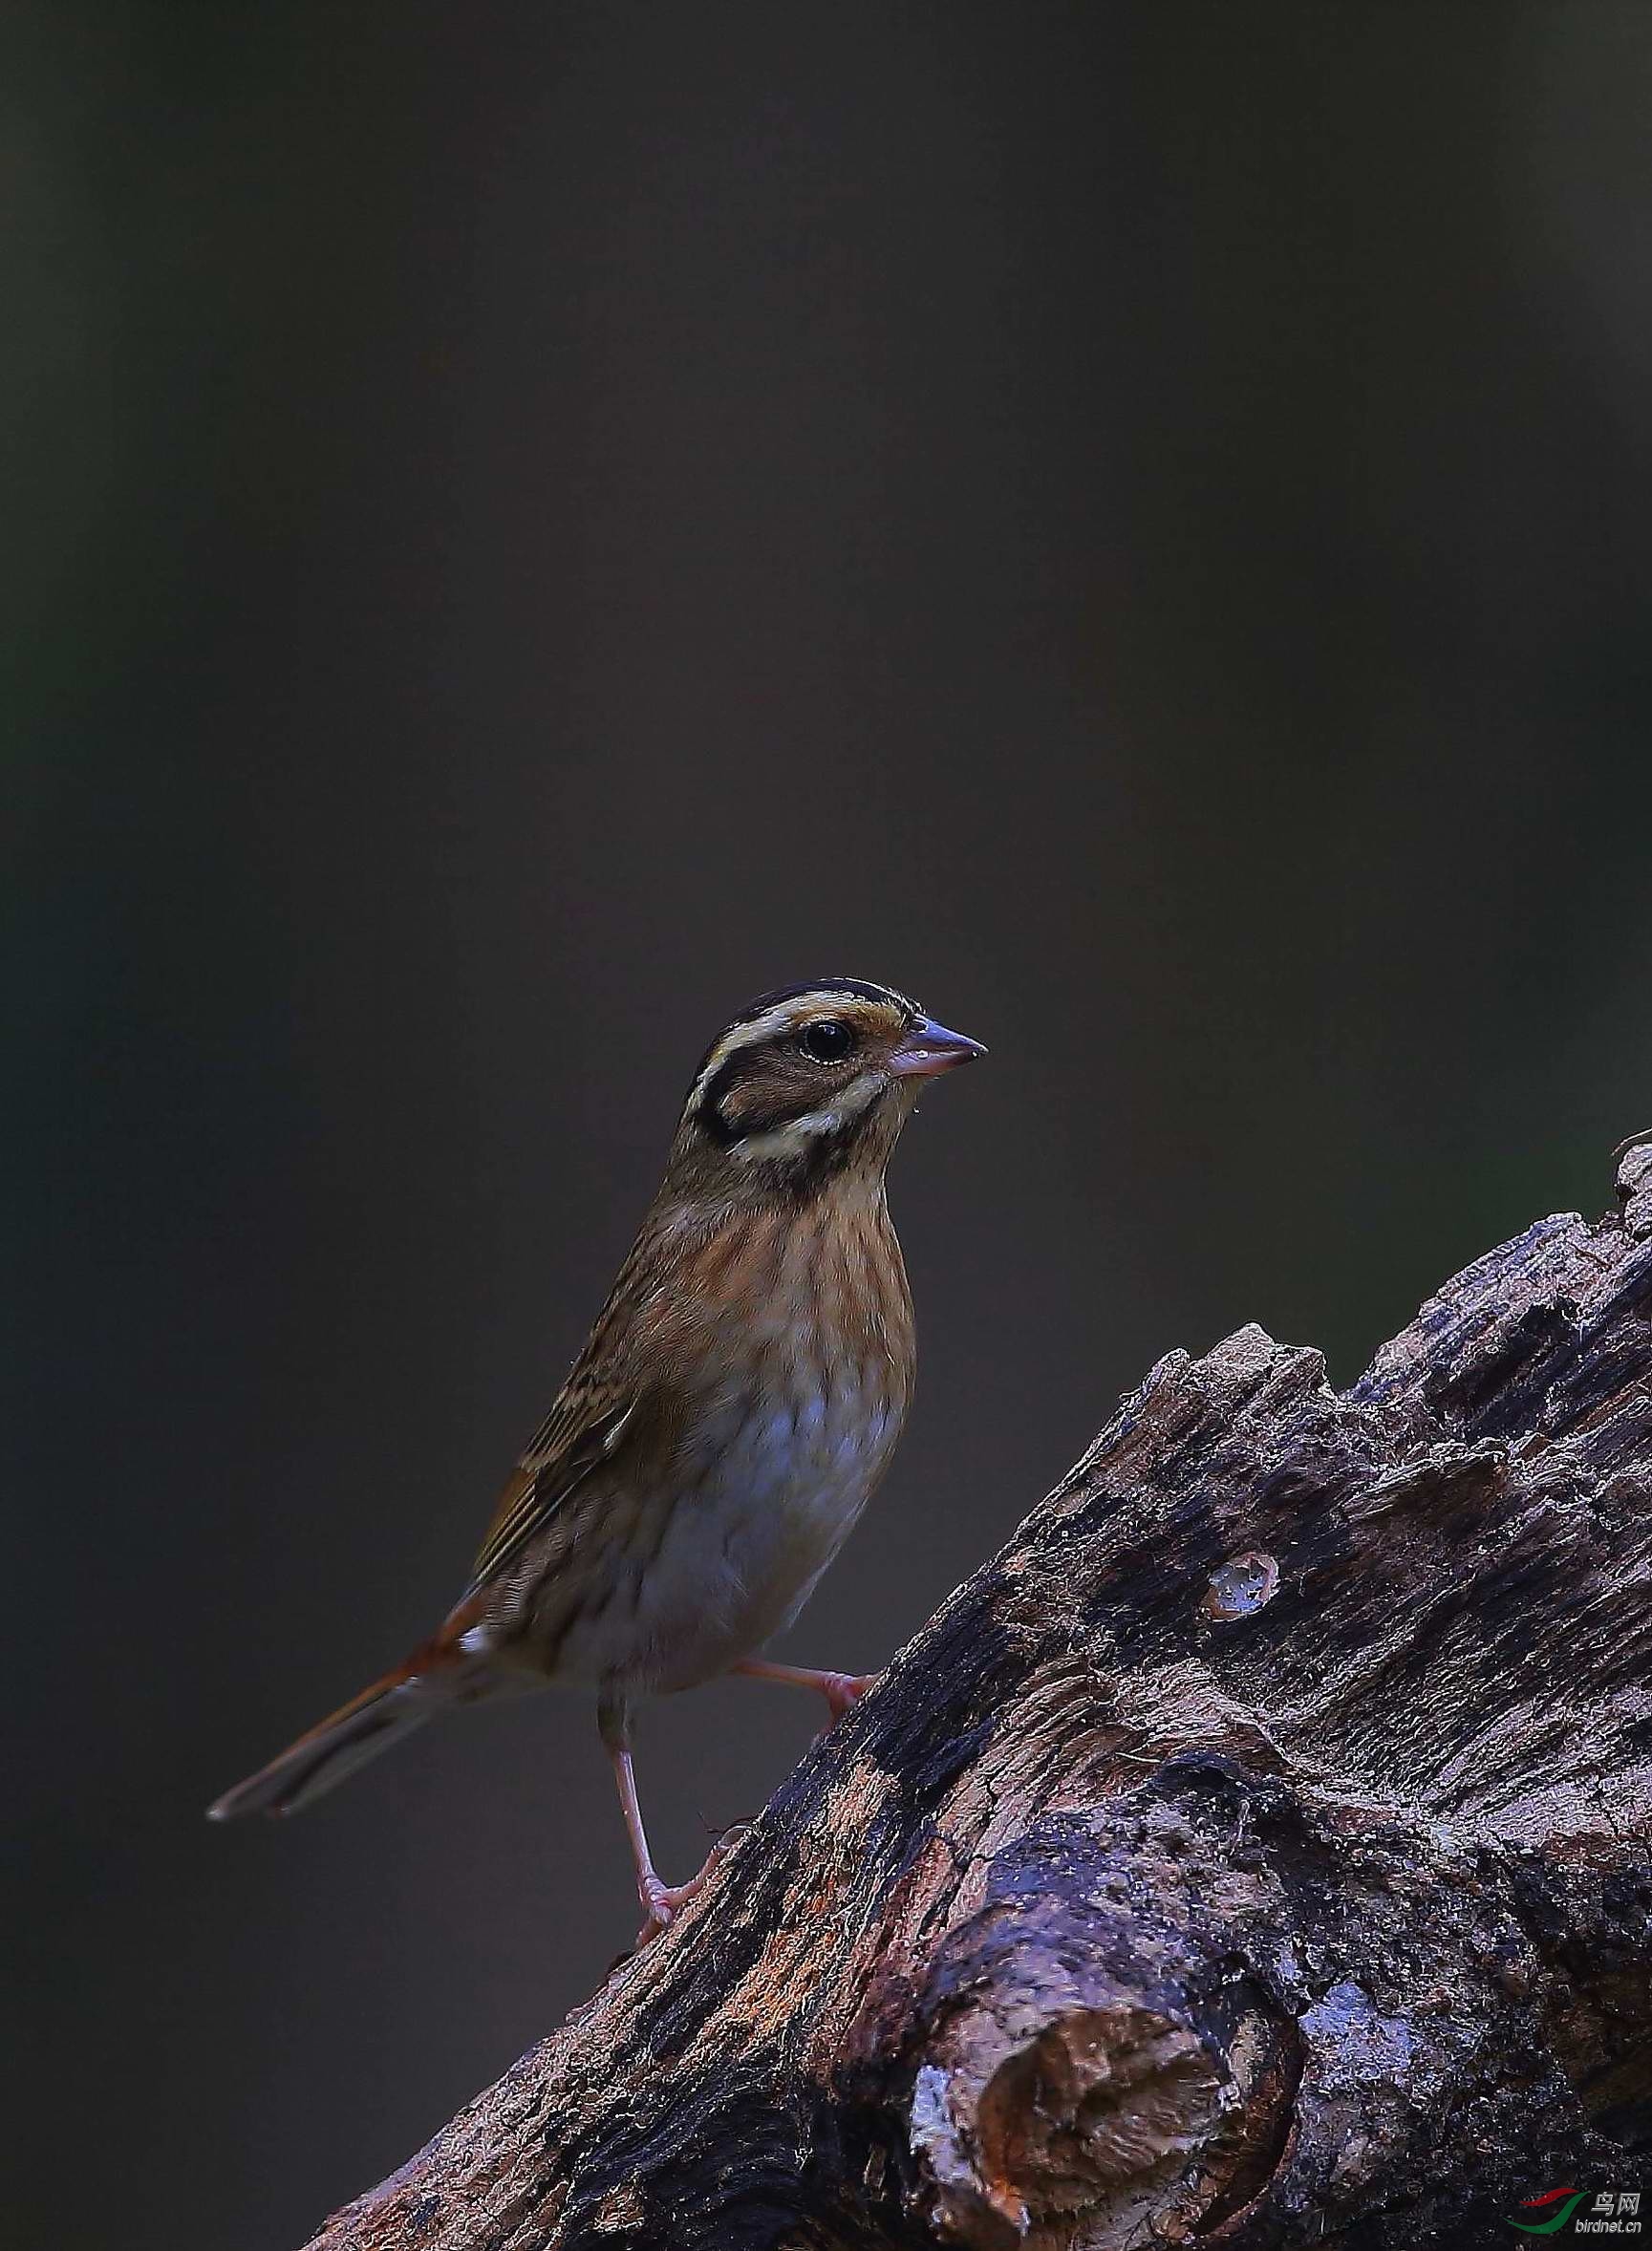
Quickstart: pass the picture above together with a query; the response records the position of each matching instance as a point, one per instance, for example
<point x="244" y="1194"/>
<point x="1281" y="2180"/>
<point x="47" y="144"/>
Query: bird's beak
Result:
<point x="930" y="1048"/>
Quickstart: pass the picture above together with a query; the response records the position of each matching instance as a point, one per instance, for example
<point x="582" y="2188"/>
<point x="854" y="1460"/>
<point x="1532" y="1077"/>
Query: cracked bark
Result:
<point x="1255" y="1853"/>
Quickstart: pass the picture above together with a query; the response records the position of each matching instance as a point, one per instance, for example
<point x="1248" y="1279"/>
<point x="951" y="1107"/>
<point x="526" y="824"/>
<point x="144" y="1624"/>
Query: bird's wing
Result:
<point x="586" y="1426"/>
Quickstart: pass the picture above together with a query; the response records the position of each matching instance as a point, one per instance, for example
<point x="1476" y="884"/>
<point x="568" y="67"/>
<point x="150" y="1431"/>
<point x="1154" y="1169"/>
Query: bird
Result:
<point x="736" y="1405"/>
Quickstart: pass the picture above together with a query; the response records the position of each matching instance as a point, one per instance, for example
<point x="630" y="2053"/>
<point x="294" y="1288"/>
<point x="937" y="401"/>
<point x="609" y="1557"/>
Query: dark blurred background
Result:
<point x="530" y="524"/>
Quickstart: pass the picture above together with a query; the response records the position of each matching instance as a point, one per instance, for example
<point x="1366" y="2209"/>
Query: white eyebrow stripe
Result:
<point x="731" y="1043"/>
<point x="778" y="1019"/>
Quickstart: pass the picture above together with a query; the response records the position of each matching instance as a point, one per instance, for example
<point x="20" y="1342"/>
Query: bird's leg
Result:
<point x="839" y="1689"/>
<point x="660" y="1901"/>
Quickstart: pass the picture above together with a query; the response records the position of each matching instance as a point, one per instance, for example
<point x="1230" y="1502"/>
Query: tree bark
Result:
<point x="1257" y="1851"/>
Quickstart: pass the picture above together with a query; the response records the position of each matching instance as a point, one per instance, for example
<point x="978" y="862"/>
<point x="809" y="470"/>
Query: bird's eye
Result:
<point x="828" y="1042"/>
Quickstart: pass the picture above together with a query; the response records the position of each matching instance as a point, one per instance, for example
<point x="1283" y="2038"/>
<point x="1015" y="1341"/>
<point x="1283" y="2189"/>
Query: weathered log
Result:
<point x="1256" y="1851"/>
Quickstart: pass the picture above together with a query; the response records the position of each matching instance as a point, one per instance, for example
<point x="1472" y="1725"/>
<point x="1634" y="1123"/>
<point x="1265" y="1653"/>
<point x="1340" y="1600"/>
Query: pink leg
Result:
<point x="839" y="1689"/>
<point x="660" y="1901"/>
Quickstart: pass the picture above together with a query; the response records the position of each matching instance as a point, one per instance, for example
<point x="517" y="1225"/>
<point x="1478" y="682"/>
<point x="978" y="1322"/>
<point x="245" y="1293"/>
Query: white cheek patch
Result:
<point x="795" y="1138"/>
<point x="786" y="1141"/>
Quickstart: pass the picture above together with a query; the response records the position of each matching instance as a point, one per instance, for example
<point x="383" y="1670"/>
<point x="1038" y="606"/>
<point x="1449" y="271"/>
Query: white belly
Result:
<point x="729" y="1557"/>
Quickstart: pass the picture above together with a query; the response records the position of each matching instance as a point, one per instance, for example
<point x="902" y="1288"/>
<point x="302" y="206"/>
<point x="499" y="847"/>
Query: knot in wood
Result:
<point x="1059" y="2098"/>
<point x="1027" y="2118"/>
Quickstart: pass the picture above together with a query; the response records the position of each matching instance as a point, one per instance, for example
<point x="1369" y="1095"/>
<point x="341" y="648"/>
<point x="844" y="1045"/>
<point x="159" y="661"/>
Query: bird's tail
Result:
<point x="432" y="1681"/>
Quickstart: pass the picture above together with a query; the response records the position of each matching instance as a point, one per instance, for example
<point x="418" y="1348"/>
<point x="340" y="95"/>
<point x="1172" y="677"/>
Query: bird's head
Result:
<point x="812" y="1080"/>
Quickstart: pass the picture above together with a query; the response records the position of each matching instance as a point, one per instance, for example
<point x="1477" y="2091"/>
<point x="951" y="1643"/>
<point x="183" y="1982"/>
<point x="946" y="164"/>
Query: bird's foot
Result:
<point x="839" y="1689"/>
<point x="842" y="1691"/>
<point x="662" y="1902"/>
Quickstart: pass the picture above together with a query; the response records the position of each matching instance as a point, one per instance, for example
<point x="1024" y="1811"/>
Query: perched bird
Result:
<point x="735" y="1405"/>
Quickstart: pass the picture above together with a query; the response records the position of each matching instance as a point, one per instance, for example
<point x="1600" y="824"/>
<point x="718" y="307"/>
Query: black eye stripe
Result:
<point x="826" y="989"/>
<point x="712" y="1105"/>
<point x="744" y="1063"/>
<point x="710" y="1112"/>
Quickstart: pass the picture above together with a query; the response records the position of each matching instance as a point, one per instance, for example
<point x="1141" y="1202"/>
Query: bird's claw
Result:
<point x="842" y="1691"/>
<point x="662" y="1902"/>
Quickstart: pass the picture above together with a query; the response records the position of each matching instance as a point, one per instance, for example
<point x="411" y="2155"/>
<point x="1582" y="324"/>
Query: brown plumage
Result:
<point x="737" y="1403"/>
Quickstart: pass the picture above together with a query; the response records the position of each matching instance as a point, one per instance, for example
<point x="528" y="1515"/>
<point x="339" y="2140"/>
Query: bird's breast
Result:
<point x="793" y="1362"/>
<point x="764" y="1500"/>
<point x="815" y="1446"/>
